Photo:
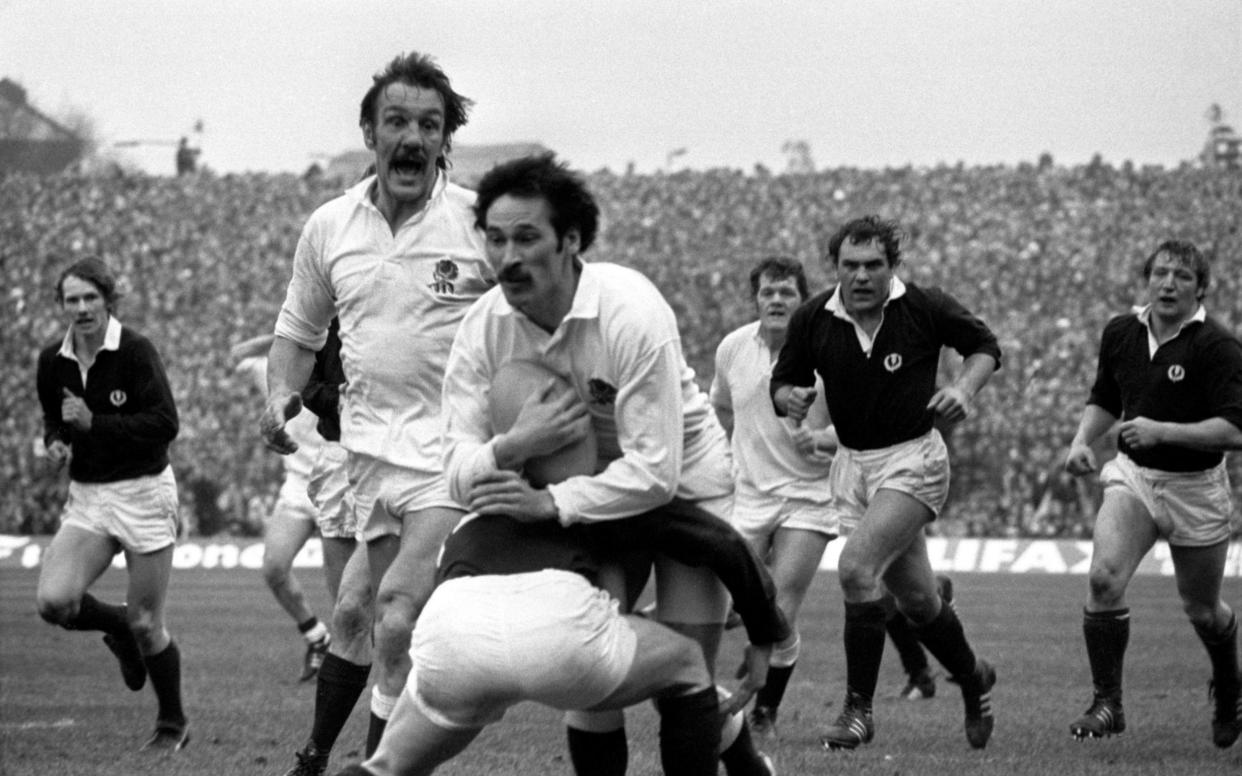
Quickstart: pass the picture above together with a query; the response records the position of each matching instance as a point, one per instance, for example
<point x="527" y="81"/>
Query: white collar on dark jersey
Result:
<point x="834" y="305"/>
<point x="1144" y="315"/>
<point x="112" y="339"/>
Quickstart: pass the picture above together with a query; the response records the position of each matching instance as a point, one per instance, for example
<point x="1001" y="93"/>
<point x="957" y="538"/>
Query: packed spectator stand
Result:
<point x="1044" y="253"/>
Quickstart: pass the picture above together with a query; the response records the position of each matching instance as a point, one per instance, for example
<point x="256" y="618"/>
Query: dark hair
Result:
<point x="1186" y="254"/>
<point x="422" y="71"/>
<point x="93" y="271"/>
<point x="779" y="268"/>
<point x="541" y="176"/>
<point x="864" y="230"/>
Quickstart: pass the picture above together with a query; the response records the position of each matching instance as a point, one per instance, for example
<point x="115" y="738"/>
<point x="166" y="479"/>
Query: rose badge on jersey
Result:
<point x="445" y="273"/>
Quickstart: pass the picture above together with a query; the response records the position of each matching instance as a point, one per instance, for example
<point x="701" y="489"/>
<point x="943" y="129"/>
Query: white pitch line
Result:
<point x="60" y="723"/>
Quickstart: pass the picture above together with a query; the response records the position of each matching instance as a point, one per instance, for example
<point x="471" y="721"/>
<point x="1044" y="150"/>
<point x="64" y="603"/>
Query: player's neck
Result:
<point x="86" y="346"/>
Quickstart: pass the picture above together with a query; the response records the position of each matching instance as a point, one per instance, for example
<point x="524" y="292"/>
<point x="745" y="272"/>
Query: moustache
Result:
<point x="512" y="274"/>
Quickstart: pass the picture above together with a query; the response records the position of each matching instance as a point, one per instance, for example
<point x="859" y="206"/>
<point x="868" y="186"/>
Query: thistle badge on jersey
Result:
<point x="1177" y="373"/>
<point x="443" y="276"/>
<point x="892" y="362"/>
<point x="601" y="392"/>
<point x="117" y="398"/>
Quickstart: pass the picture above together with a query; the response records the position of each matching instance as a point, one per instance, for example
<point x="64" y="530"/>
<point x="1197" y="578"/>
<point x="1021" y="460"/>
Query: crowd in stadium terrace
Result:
<point x="1045" y="254"/>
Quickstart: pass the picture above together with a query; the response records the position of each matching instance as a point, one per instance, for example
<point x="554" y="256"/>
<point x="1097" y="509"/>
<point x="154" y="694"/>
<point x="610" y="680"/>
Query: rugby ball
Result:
<point x="512" y="384"/>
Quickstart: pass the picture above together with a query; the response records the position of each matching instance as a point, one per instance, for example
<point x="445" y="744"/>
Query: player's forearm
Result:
<point x="976" y="370"/>
<point x="289" y="367"/>
<point x="1213" y="434"/>
<point x="1095" y="421"/>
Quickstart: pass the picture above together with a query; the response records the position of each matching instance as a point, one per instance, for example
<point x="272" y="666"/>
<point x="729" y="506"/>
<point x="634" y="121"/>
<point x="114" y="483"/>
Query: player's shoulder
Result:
<point x="734" y="340"/>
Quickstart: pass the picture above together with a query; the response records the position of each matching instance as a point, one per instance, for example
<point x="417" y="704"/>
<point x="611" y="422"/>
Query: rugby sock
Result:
<point x="604" y="753"/>
<point x="381" y="710"/>
<point x="774" y="691"/>
<point x="94" y="614"/>
<point x="864" y="647"/>
<point x="337" y="688"/>
<point x="1222" y="649"/>
<point x="1107" y="635"/>
<point x="945" y="639"/>
<point x="904" y="637"/>
<point x="164" y="670"/>
<point x="689" y="732"/>
<point x="313" y="630"/>
<point x="741" y="758"/>
<point x="780" y="669"/>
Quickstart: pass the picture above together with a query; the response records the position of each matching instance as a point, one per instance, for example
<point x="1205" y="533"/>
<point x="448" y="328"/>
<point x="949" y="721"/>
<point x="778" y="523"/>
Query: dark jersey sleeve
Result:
<point x="1106" y="391"/>
<point x="49" y="389"/>
<point x="961" y="329"/>
<point x="686" y="533"/>
<point x="322" y="394"/>
<point x="795" y="365"/>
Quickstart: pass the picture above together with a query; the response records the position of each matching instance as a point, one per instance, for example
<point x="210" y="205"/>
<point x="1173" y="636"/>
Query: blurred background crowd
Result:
<point x="1044" y="253"/>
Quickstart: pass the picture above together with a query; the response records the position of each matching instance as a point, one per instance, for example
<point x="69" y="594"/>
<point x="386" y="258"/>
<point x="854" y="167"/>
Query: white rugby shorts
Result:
<point x="918" y="468"/>
<point x="385" y="494"/>
<point x="329" y="491"/>
<point x="483" y="644"/>
<point x="757" y="516"/>
<point x="1190" y="509"/>
<point x="142" y="513"/>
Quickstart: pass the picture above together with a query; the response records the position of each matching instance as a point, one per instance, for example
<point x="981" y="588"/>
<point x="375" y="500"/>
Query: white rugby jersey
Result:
<point x="765" y="459"/>
<point x="400" y="298"/>
<point x="620" y="349"/>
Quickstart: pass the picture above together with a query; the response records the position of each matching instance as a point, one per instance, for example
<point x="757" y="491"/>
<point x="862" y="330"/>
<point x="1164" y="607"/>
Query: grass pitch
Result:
<point x="64" y="710"/>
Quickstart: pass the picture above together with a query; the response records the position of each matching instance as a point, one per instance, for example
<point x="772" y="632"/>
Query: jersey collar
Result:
<point x="1144" y="316"/>
<point x="112" y="339"/>
<point x="834" y="305"/>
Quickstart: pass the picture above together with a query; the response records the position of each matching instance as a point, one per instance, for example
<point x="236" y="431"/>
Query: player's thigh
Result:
<point x="892" y="521"/>
<point x="411" y="574"/>
<point x="663" y="659"/>
<point x="1124" y="532"/>
<point x="794" y="561"/>
<point x="284" y="533"/>
<point x="1199" y="572"/>
<point x="414" y="745"/>
<point x="74" y="559"/>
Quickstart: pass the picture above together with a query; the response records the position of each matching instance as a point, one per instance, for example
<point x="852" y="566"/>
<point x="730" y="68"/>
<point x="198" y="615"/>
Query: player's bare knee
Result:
<point x="1106" y="584"/>
<point x="857" y="580"/>
<point x="56" y="610"/>
<point x="144" y="627"/>
<point x="276" y="575"/>
<point x="1201" y="615"/>
<point x="351" y="618"/>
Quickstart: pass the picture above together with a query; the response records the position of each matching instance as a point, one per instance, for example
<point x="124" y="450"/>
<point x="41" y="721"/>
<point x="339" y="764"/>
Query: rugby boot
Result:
<point x="133" y="667"/>
<point x="762" y="721"/>
<point x="310" y="762"/>
<point x="854" y="726"/>
<point x="1105" y="718"/>
<point x="1227" y="718"/>
<point x="977" y="697"/>
<point x="167" y="738"/>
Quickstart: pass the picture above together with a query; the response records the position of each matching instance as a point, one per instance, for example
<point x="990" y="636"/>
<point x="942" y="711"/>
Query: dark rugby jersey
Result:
<point x="1194" y="376"/>
<point x="133" y="415"/>
<point x="879" y="400"/>
<point x="322" y="394"/>
<point x="492" y="544"/>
